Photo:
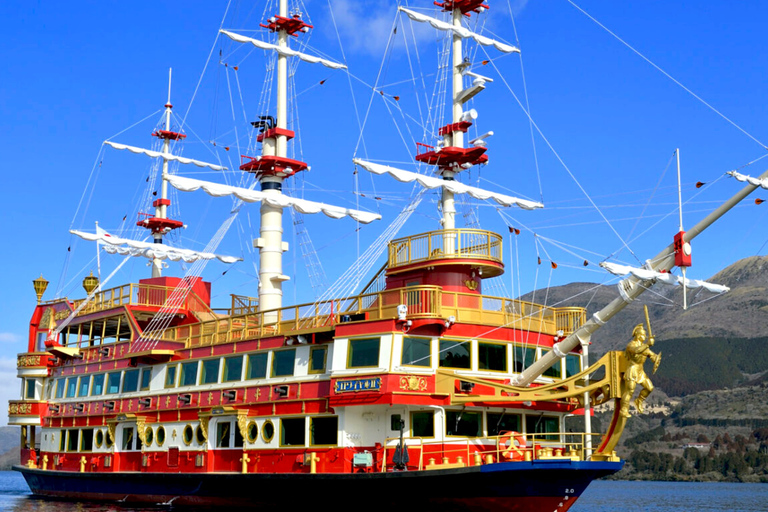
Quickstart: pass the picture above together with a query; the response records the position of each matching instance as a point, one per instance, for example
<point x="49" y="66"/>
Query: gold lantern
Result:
<point x="40" y="285"/>
<point x="90" y="283"/>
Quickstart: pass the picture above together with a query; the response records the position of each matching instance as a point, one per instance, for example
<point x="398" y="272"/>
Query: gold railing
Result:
<point x="473" y="451"/>
<point x="422" y="302"/>
<point x="446" y="243"/>
<point x="140" y="295"/>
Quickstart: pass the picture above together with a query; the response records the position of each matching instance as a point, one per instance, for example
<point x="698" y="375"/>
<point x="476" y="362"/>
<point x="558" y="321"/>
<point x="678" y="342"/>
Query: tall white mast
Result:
<point x="161" y="209"/>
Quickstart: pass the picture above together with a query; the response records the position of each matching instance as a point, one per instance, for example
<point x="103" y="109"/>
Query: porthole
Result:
<point x="108" y="441"/>
<point x="200" y="435"/>
<point x="268" y="431"/>
<point x="160" y="435"/>
<point x="99" y="438"/>
<point x="149" y="435"/>
<point x="253" y="432"/>
<point x="188" y="434"/>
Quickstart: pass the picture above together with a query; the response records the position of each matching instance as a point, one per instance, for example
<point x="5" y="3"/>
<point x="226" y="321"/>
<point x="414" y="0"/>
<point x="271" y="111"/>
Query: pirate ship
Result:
<point x="421" y="385"/>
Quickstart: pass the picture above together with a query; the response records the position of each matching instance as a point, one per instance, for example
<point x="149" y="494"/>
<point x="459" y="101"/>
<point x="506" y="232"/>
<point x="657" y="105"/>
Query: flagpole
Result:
<point x="98" y="254"/>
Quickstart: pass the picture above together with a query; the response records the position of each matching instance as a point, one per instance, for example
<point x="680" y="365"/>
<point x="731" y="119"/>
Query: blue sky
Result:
<point x="76" y="74"/>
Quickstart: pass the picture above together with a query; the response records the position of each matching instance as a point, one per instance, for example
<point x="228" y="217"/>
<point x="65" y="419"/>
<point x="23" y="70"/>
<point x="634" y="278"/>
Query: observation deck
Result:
<point x="476" y="247"/>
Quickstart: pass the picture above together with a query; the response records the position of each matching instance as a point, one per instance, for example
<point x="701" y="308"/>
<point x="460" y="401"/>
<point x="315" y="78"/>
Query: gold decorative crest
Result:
<point x="413" y="383"/>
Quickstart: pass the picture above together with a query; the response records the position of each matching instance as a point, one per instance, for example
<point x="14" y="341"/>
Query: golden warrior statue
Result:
<point x="637" y="352"/>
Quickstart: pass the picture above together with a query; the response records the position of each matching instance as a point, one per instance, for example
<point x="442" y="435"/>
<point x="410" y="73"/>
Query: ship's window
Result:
<point x="170" y="375"/>
<point x="62" y="440"/>
<point x="113" y="383"/>
<point x="228" y="435"/>
<point x="283" y="362"/>
<point x="463" y="423"/>
<point x="82" y="389"/>
<point x="292" y="431"/>
<point x="72" y="439"/>
<point x="71" y="386"/>
<point x="149" y="435"/>
<point x="30" y="389"/>
<point x="98" y="385"/>
<point x="146" y="378"/>
<point x="502" y="422"/>
<point x="86" y="440"/>
<point x="233" y="368"/>
<point x="268" y="431"/>
<point x="188" y="374"/>
<point x="257" y="366"/>
<point x="324" y="430"/>
<point x="417" y="352"/>
<point x="555" y="371"/>
<point x="160" y="435"/>
<point x="131" y="381"/>
<point x="223" y="430"/>
<point x="60" y="385"/>
<point x="572" y="365"/>
<point x="200" y="435"/>
<point x="524" y="358"/>
<point x="491" y="356"/>
<point x="542" y="425"/>
<point x="396" y="422"/>
<point x="99" y="438"/>
<point x="210" y="371"/>
<point x="423" y="424"/>
<point x="252" y="431"/>
<point x="317" y="357"/>
<point x="187" y="434"/>
<point x="129" y="434"/>
<point x="363" y="353"/>
<point x="455" y="354"/>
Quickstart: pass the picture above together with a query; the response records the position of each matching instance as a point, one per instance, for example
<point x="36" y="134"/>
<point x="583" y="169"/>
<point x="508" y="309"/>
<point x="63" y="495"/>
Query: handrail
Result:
<point x="423" y="302"/>
<point x="446" y="243"/>
<point x="469" y="451"/>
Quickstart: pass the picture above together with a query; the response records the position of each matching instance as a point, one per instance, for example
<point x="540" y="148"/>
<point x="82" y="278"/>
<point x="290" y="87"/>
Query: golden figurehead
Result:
<point x="637" y="351"/>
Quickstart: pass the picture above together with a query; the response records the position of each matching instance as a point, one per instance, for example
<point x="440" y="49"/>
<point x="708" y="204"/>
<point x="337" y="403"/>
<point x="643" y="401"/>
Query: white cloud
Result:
<point x="367" y="24"/>
<point x="9" y="337"/>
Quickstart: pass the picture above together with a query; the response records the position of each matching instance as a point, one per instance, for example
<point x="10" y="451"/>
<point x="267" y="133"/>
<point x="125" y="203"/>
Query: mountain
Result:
<point x="740" y="313"/>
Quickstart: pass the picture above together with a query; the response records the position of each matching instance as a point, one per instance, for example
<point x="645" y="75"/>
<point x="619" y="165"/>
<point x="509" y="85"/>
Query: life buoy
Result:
<point x="512" y="445"/>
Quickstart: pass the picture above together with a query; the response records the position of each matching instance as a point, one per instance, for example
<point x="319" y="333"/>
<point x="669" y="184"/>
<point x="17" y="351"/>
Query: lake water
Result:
<point x="608" y="496"/>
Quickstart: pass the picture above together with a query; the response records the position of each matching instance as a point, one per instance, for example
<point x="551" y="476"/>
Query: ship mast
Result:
<point x="160" y="224"/>
<point x="273" y="167"/>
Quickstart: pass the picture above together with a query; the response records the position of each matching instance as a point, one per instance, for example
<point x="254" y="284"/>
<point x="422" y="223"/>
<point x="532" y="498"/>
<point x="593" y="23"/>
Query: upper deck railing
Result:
<point x="446" y="243"/>
<point x="139" y="295"/>
<point x="422" y="302"/>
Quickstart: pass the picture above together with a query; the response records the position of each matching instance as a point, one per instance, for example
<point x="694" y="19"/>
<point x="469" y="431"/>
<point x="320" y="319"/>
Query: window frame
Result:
<point x="411" y="364"/>
<point x="351" y="353"/>
<point x="455" y="343"/>
<point x="493" y="344"/>
<point x="275" y="356"/>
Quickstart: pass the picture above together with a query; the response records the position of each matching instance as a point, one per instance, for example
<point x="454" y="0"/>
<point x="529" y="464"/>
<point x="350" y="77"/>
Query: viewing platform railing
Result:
<point x="445" y="243"/>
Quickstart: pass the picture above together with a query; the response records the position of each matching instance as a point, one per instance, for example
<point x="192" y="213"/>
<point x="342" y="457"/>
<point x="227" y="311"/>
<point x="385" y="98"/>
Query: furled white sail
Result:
<point x="662" y="277"/>
<point x="454" y="186"/>
<point x="283" y="50"/>
<point x="462" y="32"/>
<point x="277" y="200"/>
<point x="128" y="247"/>
<point x="752" y="181"/>
<point x="166" y="156"/>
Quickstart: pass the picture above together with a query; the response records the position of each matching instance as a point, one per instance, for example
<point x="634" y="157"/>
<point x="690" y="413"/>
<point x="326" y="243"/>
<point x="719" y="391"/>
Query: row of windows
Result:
<point x="190" y="373"/>
<point x="323" y="431"/>
<point x="470" y="424"/>
<point x="237" y="368"/>
<point x="490" y="357"/>
<point x="110" y="383"/>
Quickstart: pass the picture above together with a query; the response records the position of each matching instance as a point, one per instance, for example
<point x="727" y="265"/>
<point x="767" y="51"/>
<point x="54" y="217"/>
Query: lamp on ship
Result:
<point x="90" y="283"/>
<point x="40" y="285"/>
